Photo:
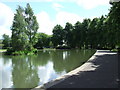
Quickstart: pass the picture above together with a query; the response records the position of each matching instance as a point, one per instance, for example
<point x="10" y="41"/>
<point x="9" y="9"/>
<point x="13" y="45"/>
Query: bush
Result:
<point x="18" y="53"/>
<point x="9" y="51"/>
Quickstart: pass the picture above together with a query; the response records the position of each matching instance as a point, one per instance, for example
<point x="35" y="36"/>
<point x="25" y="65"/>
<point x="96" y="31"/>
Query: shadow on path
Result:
<point x="104" y="75"/>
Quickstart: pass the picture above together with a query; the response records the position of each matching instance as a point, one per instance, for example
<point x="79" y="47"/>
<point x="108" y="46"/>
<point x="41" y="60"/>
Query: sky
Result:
<point x="52" y="12"/>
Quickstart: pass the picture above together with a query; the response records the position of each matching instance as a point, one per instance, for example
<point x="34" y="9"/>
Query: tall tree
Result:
<point x="114" y="19"/>
<point x="92" y="33"/>
<point x="32" y="26"/>
<point x="85" y="27"/>
<point x="58" y="35"/>
<point x="19" y="36"/>
<point x="68" y="34"/>
<point x="24" y="29"/>
<point x="102" y="32"/>
<point x="77" y="34"/>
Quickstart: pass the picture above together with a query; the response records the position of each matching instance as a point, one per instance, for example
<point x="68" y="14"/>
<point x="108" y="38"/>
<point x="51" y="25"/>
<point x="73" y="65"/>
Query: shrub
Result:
<point x="10" y="51"/>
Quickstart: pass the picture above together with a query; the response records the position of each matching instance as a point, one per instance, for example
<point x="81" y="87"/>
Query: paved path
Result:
<point x="99" y="72"/>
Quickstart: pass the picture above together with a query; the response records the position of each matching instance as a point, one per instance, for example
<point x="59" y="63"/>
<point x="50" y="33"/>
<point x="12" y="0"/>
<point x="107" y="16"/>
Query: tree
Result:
<point x="43" y="40"/>
<point x="102" y="32"/>
<point x="58" y="35"/>
<point x="24" y="29"/>
<point x="28" y="72"/>
<point x="6" y="41"/>
<point x="19" y="36"/>
<point x="77" y="34"/>
<point x="114" y="24"/>
<point x="85" y="27"/>
<point x="32" y="26"/>
<point x="68" y="37"/>
<point x="92" y="33"/>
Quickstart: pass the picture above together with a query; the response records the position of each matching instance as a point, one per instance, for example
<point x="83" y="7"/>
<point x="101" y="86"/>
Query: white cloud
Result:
<point x="63" y="17"/>
<point x="4" y="30"/>
<point x="57" y="6"/>
<point x="26" y="0"/>
<point x="6" y="18"/>
<point x="45" y="71"/>
<point x="45" y="24"/>
<point x="89" y="4"/>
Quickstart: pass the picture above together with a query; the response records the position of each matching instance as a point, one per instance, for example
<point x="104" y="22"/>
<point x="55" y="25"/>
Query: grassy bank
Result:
<point x="114" y="50"/>
<point x="3" y="50"/>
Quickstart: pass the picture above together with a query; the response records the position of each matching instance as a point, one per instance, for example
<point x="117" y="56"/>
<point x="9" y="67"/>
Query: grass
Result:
<point x="114" y="50"/>
<point x="46" y="49"/>
<point x="3" y="50"/>
<point x="49" y="49"/>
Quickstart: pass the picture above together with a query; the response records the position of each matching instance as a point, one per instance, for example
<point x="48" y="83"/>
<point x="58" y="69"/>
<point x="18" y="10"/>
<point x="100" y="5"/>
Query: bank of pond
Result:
<point x="34" y="51"/>
<point x="29" y="71"/>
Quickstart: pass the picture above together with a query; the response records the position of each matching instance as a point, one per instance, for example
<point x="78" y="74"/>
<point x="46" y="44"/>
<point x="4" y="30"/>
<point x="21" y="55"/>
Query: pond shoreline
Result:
<point x="99" y="72"/>
<point x="65" y="76"/>
<point x="89" y="69"/>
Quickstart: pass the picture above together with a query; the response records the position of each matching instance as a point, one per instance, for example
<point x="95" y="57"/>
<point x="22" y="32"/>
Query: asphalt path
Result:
<point x="100" y="72"/>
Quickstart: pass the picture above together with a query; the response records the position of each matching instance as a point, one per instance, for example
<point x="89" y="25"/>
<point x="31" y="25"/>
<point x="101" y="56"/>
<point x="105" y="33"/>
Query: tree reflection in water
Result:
<point x="31" y="71"/>
<point x="24" y="73"/>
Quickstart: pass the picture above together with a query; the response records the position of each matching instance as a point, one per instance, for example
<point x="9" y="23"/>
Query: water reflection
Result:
<point x="24" y="73"/>
<point x="31" y="71"/>
<point x="6" y="75"/>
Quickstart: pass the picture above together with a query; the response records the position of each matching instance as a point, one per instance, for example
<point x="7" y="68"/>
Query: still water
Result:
<point x="31" y="71"/>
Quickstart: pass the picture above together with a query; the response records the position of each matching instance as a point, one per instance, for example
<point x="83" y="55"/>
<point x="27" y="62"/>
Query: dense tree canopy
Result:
<point x="99" y="33"/>
<point x="6" y="41"/>
<point x="24" y="29"/>
<point x="68" y="37"/>
<point x="43" y="40"/>
<point x="32" y="26"/>
<point x="96" y="33"/>
<point x="19" y="36"/>
<point x="58" y="35"/>
<point x="114" y="22"/>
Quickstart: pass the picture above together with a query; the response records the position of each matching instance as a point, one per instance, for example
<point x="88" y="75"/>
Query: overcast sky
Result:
<point x="52" y="12"/>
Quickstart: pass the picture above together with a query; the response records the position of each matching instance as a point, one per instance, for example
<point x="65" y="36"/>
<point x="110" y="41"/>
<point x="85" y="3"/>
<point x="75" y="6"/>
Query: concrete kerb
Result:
<point x="85" y="67"/>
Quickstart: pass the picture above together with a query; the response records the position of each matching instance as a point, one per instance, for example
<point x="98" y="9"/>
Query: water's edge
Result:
<point x="65" y="76"/>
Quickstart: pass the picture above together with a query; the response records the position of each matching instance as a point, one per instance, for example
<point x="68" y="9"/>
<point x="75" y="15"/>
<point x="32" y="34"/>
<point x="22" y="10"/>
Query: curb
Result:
<point x="65" y="76"/>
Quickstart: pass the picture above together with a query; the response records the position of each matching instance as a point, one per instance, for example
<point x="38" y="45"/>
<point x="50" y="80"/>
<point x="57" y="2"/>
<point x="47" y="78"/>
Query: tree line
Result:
<point x="97" y="33"/>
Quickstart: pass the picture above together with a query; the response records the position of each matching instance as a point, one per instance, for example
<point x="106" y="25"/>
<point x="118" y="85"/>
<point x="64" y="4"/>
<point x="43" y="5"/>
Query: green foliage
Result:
<point x="10" y="51"/>
<point x="68" y="36"/>
<point x="77" y="34"/>
<point x="24" y="30"/>
<point x="6" y="41"/>
<point x="99" y="33"/>
<point x="58" y="35"/>
<point x="19" y="36"/>
<point x="114" y="24"/>
<point x="32" y="26"/>
<point x="43" y="41"/>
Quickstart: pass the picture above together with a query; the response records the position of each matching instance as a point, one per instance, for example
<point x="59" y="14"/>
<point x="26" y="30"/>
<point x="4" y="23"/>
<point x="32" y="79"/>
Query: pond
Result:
<point x="31" y="71"/>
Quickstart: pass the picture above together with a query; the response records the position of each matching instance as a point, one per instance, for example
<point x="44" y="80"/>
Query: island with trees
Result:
<point x="98" y="33"/>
